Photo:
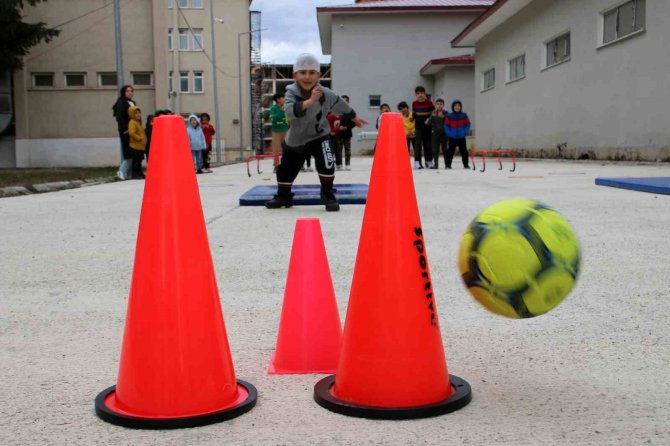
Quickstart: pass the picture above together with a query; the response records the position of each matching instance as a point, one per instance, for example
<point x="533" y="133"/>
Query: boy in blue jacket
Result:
<point x="457" y="127"/>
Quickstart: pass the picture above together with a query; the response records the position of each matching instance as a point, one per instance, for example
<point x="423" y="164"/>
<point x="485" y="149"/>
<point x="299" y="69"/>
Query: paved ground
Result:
<point x="594" y="371"/>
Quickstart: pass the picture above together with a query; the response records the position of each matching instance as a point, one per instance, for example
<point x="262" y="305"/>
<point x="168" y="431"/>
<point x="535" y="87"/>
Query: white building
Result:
<point x="381" y="50"/>
<point x="583" y="78"/>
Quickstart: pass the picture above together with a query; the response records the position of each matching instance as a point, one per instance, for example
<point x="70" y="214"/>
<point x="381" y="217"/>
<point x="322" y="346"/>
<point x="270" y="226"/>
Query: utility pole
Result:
<point x="219" y="154"/>
<point x="119" y="51"/>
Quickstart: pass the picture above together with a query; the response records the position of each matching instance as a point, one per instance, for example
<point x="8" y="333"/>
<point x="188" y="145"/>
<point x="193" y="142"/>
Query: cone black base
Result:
<point x="460" y="398"/>
<point x="106" y="414"/>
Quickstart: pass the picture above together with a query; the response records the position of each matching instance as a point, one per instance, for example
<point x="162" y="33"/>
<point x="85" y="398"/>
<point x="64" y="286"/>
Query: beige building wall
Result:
<point x="63" y="125"/>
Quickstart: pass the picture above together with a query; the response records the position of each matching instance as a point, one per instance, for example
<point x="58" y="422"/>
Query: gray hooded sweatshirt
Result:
<point x="310" y="124"/>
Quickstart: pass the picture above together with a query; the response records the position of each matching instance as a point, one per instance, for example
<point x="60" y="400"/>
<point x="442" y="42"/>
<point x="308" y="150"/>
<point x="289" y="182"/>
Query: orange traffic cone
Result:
<point x="392" y="363"/>
<point x="176" y="369"/>
<point x="310" y="332"/>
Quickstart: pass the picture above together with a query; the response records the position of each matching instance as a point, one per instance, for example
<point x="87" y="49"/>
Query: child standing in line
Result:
<point x="279" y="125"/>
<point x="408" y="123"/>
<point x="345" y="137"/>
<point x="307" y="105"/>
<point x="384" y="108"/>
<point x="209" y="131"/>
<point x="334" y="138"/>
<point x="138" y="141"/>
<point x="439" y="140"/>
<point x="196" y="139"/>
<point x="422" y="108"/>
<point x="457" y="127"/>
<point x="148" y="129"/>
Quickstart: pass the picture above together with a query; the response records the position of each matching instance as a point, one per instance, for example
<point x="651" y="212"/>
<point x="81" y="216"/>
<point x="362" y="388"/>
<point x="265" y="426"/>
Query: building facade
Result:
<point x="581" y="79"/>
<point x="63" y="97"/>
<point x="379" y="49"/>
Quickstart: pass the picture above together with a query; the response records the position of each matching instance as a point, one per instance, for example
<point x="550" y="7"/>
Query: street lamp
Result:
<point x="239" y="75"/>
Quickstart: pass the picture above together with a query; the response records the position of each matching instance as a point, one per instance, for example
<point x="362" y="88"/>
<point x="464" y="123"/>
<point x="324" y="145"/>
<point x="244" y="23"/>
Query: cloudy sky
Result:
<point x="292" y="28"/>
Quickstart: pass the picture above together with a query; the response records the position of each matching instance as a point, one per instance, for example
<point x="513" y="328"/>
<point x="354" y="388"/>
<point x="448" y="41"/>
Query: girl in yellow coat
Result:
<point x="138" y="141"/>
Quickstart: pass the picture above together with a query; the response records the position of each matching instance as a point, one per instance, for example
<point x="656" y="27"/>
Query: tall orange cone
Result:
<point x="310" y="332"/>
<point x="176" y="369"/>
<point x="392" y="363"/>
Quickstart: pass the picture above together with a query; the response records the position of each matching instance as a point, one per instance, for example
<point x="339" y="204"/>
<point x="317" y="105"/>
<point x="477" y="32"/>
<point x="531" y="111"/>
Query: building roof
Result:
<point x="324" y="14"/>
<point x="497" y="14"/>
<point x="435" y="65"/>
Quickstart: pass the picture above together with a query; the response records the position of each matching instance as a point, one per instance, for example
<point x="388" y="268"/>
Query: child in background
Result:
<point x="209" y="131"/>
<point x="138" y="141"/>
<point x="279" y="125"/>
<point x="421" y="109"/>
<point x="148" y="128"/>
<point x="384" y="108"/>
<point x="457" y="127"/>
<point x="439" y="139"/>
<point x="334" y="138"/>
<point x="408" y="123"/>
<point x="345" y="137"/>
<point x="196" y="139"/>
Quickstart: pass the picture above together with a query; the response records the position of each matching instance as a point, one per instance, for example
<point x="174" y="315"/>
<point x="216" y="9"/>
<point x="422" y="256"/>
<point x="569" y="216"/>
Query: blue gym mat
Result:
<point x="655" y="185"/>
<point x="306" y="194"/>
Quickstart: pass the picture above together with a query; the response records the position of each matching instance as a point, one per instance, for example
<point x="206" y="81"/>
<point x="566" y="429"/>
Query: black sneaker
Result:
<point x="279" y="201"/>
<point x="328" y="198"/>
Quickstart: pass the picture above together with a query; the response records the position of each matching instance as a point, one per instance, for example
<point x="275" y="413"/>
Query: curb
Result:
<point x="15" y="191"/>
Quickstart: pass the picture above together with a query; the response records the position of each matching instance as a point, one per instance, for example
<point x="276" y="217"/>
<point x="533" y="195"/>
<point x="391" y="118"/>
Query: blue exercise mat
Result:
<point x="306" y="194"/>
<point x="655" y="185"/>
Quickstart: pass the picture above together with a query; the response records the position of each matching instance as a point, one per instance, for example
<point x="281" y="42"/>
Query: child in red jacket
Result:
<point x="209" y="131"/>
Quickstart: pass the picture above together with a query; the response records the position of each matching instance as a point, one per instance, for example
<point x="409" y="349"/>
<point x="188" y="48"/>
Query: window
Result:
<point x="517" y="68"/>
<point x="170" y="83"/>
<point x="182" y="3"/>
<point x="170" y="43"/>
<point x="170" y="3"/>
<point x="374" y="100"/>
<point x="198" y="83"/>
<point x="43" y="79"/>
<point x="183" y="82"/>
<point x="75" y="79"/>
<point x="196" y="4"/>
<point x="143" y="79"/>
<point x="197" y="40"/>
<point x="623" y="20"/>
<point x="558" y="50"/>
<point x="489" y="79"/>
<point x="183" y="40"/>
<point x="107" y="79"/>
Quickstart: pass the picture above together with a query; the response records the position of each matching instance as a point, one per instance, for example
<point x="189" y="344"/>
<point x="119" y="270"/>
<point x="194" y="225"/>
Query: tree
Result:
<point x="17" y="37"/>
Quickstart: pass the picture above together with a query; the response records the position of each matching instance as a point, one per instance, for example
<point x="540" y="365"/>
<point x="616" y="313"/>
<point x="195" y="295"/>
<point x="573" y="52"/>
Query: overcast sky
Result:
<point x="292" y="28"/>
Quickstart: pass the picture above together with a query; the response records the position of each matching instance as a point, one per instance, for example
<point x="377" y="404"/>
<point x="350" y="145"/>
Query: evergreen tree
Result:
<point x="17" y="37"/>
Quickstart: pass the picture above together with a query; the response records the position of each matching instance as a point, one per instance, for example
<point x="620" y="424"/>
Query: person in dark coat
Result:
<point x="120" y="112"/>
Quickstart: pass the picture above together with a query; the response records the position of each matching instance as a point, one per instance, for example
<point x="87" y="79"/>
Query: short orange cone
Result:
<point x="176" y="369"/>
<point x="392" y="363"/>
<point x="310" y="332"/>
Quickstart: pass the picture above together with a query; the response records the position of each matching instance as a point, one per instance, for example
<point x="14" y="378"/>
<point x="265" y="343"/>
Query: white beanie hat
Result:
<point x="306" y="61"/>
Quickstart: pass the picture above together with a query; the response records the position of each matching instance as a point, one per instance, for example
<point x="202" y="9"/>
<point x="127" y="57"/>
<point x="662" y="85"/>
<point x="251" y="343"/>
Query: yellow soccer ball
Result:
<point x="519" y="258"/>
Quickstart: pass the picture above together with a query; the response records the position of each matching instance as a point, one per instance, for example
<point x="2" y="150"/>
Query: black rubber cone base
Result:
<point x="111" y="416"/>
<point x="460" y="398"/>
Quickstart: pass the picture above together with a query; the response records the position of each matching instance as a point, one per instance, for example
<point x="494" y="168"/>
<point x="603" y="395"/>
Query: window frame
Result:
<point x="555" y="39"/>
<point x="170" y="4"/>
<point x="107" y="73"/>
<point x="602" y="18"/>
<point x="170" y="40"/>
<point x="511" y="79"/>
<point x="74" y="73"/>
<point x="185" y="75"/>
<point x="170" y="82"/>
<point x="194" y="40"/>
<point x="43" y="73"/>
<point x="201" y="75"/>
<point x="183" y="32"/>
<point x="194" y="6"/>
<point x="484" y="75"/>
<point x="142" y="73"/>
<point x="185" y="5"/>
<point x="372" y="99"/>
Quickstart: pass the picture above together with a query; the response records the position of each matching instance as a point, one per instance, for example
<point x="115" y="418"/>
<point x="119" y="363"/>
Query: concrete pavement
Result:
<point x="593" y="371"/>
